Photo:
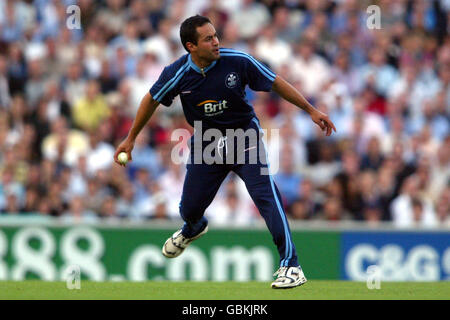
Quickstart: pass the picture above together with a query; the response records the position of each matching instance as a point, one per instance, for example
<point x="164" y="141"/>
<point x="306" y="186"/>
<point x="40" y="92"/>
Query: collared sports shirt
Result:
<point x="214" y="95"/>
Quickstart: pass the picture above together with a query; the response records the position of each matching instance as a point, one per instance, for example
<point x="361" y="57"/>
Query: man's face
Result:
<point x="208" y="44"/>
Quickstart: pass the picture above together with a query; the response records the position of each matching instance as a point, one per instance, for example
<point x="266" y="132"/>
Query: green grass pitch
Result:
<point x="313" y="289"/>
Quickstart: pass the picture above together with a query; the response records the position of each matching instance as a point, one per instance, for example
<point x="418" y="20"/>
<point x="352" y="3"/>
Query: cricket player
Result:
<point x="211" y="83"/>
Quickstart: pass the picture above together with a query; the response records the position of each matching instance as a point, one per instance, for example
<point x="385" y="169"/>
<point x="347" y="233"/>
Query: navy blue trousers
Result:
<point x="203" y="180"/>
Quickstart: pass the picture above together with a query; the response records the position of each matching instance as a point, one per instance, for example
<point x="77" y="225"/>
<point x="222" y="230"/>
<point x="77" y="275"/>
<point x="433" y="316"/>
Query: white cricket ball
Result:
<point x="122" y="157"/>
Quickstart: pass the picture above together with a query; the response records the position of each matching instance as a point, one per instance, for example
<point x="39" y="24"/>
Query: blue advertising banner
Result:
<point x="397" y="256"/>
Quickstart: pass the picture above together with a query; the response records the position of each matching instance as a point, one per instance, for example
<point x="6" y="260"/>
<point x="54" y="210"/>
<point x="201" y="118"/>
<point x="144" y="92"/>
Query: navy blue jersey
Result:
<point x="214" y="95"/>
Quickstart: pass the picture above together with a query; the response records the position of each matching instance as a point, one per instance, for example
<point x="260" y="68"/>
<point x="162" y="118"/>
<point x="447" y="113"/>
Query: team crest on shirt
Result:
<point x="231" y="80"/>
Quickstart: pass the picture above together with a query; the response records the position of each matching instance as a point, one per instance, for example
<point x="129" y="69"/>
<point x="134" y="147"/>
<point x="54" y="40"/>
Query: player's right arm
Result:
<point x="146" y="109"/>
<point x="289" y="93"/>
<point x="163" y="91"/>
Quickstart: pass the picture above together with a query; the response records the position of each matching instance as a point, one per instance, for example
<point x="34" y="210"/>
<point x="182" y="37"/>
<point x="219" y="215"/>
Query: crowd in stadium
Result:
<point x="68" y="98"/>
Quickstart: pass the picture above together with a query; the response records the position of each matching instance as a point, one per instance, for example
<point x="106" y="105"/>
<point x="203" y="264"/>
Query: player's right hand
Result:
<point x="125" y="146"/>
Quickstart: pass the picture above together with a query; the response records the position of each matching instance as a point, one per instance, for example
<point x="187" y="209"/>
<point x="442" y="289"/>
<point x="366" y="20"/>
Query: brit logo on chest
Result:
<point x="213" y="107"/>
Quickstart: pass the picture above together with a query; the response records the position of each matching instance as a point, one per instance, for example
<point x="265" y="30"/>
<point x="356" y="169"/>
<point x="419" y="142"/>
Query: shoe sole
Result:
<point x="167" y="255"/>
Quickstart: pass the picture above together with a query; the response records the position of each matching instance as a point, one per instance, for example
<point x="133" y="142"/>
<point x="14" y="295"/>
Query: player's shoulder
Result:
<point x="177" y="66"/>
<point x="245" y="59"/>
<point x="234" y="54"/>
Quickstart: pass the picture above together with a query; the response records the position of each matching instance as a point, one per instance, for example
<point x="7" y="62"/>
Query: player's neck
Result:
<point x="201" y="63"/>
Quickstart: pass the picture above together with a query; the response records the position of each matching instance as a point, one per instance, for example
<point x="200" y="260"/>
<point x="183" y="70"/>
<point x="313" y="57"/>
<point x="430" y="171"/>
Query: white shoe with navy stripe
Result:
<point x="176" y="244"/>
<point x="288" y="277"/>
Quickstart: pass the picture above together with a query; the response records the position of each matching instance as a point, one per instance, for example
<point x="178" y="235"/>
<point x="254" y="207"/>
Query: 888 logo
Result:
<point x="34" y="249"/>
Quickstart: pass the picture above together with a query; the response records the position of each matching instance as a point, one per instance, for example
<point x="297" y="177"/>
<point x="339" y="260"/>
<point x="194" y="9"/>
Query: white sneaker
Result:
<point x="176" y="244"/>
<point x="288" y="277"/>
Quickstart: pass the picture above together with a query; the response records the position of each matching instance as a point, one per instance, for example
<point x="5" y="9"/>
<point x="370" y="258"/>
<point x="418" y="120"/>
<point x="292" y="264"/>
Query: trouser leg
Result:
<point x="267" y="198"/>
<point x="201" y="184"/>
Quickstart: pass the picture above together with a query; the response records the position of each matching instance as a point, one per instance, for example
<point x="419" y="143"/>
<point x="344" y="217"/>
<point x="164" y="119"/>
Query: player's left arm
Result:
<point x="289" y="93"/>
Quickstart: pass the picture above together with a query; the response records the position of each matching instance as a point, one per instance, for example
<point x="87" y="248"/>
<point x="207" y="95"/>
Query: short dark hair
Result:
<point x="188" y="29"/>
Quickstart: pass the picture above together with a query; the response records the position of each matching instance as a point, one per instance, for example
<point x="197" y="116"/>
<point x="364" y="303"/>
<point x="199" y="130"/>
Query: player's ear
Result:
<point x="191" y="47"/>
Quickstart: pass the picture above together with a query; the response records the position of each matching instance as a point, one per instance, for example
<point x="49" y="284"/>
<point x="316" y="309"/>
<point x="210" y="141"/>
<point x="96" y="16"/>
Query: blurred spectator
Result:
<point x="54" y="197"/>
<point x="440" y="170"/>
<point x="395" y="134"/>
<point x="160" y="211"/>
<point x="35" y="85"/>
<point x="31" y="201"/>
<point x="156" y="205"/>
<point x="95" y="194"/>
<point x="144" y="156"/>
<point x="230" y="206"/>
<point x="334" y="189"/>
<point x="108" y="83"/>
<point x="231" y="38"/>
<point x="90" y="110"/>
<point x="78" y="213"/>
<point x="368" y="189"/>
<point x="299" y="210"/>
<point x="287" y="179"/>
<point x="377" y="73"/>
<point x="443" y="208"/>
<point x="147" y="71"/>
<point x="373" y="214"/>
<point x="159" y="45"/>
<point x="128" y="40"/>
<point x="344" y="73"/>
<point x="123" y="63"/>
<point x="218" y="16"/>
<point x="285" y="23"/>
<point x="108" y="210"/>
<point x="73" y="83"/>
<point x="337" y="99"/>
<point x="323" y="171"/>
<point x="141" y="184"/>
<point x="332" y="210"/>
<point x="230" y="212"/>
<point x="310" y="201"/>
<point x="12" y="205"/>
<point x="386" y="189"/>
<point x="100" y="154"/>
<point x="409" y="210"/>
<point x="289" y="134"/>
<point x="17" y="72"/>
<point x="251" y="18"/>
<point x="64" y="144"/>
<point x="271" y="49"/>
<point x="5" y="97"/>
<point x="171" y="183"/>
<point x="125" y="203"/>
<point x="372" y="158"/>
<point x="309" y="68"/>
<point x="112" y="18"/>
<point x="56" y="103"/>
<point x="10" y="187"/>
<point x="79" y="177"/>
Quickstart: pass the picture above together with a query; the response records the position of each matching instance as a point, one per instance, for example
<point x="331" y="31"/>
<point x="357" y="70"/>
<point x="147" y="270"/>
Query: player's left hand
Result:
<point x="322" y="120"/>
